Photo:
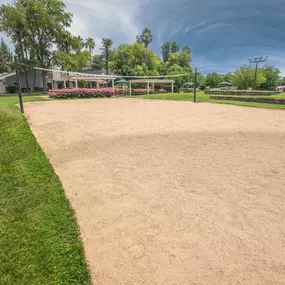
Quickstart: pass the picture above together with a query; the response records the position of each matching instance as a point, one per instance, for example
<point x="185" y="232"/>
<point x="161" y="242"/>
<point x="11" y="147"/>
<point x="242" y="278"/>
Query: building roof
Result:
<point x="4" y="75"/>
<point x="151" y="81"/>
<point x="98" y="71"/>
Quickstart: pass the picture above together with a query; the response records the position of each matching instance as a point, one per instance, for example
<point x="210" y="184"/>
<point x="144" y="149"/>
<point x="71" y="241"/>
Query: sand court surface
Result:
<point x="171" y="192"/>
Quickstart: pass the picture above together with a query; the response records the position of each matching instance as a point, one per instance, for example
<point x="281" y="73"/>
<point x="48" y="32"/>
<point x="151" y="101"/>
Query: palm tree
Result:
<point x="145" y="38"/>
<point x="65" y="41"/>
<point x="90" y="44"/>
<point x="107" y="43"/>
<point x="81" y="41"/>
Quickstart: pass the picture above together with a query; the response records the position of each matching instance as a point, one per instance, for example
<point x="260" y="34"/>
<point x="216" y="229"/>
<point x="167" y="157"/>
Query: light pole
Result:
<point x="257" y="60"/>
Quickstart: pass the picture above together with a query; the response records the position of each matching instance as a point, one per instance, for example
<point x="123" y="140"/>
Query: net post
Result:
<point x="19" y="85"/>
<point x="195" y="85"/>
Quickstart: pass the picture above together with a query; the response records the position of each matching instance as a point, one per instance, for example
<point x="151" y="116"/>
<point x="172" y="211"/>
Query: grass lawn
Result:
<point x="201" y="97"/>
<point x="39" y="237"/>
<point x="24" y="94"/>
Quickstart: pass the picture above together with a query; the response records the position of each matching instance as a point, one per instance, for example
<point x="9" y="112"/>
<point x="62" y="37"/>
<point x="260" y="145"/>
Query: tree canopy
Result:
<point x="165" y="50"/>
<point x="129" y="59"/>
<point x="107" y="43"/>
<point x="6" y="59"/>
<point x="39" y="32"/>
<point x="213" y="79"/>
<point x="174" y="47"/>
<point x="243" y="77"/>
<point x="272" y="76"/>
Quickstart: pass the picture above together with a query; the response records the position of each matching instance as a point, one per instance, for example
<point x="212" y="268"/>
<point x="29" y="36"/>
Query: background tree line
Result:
<point x="267" y="78"/>
<point x="39" y="32"/>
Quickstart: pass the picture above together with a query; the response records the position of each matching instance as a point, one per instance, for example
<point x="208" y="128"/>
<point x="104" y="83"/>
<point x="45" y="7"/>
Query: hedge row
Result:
<point x="257" y="100"/>
<point x="96" y="93"/>
<point x="81" y="93"/>
<point x="241" y="92"/>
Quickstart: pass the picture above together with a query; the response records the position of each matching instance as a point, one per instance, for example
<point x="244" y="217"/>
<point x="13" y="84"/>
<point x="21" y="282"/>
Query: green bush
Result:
<point x="11" y="89"/>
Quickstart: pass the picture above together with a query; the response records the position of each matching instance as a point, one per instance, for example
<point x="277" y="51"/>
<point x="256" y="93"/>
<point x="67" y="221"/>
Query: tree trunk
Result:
<point x="146" y="55"/>
<point x="26" y="53"/>
<point x="44" y="73"/>
<point x="35" y="74"/>
<point x="146" y="67"/>
<point x="107" y="59"/>
<point x="23" y="60"/>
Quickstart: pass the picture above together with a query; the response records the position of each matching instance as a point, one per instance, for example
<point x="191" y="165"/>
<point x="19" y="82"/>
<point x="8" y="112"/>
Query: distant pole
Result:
<point x="195" y="85"/>
<point x="113" y="85"/>
<point x="35" y="74"/>
<point x="255" y="74"/>
<point x="19" y="85"/>
<point x="257" y="60"/>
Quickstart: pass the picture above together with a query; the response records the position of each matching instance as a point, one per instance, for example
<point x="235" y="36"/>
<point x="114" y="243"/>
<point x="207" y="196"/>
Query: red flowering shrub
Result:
<point x="96" y="93"/>
<point x="161" y="90"/>
<point x="82" y="93"/>
<point x="141" y="91"/>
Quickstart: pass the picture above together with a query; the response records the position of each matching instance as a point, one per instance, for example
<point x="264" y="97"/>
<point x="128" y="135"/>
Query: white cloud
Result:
<point x="104" y="18"/>
<point x="195" y="26"/>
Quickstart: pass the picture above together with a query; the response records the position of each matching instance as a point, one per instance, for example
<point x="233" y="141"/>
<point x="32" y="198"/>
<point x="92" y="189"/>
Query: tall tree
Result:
<point x="145" y="38"/>
<point x="272" y="75"/>
<point x="123" y="60"/>
<point x="13" y="23"/>
<point x="186" y="49"/>
<point x="107" y="43"/>
<point x="200" y="79"/>
<point x="228" y="77"/>
<point x="244" y="77"/>
<point x="41" y="23"/>
<point x="174" y="58"/>
<point x="174" y="47"/>
<point x="65" y="41"/>
<point x="71" y="55"/>
<point x="73" y="61"/>
<point x="281" y="81"/>
<point x="184" y="59"/>
<point x="6" y="58"/>
<point x="90" y="45"/>
<point x="213" y="79"/>
<point x="129" y="59"/>
<point x="165" y="50"/>
<point x="175" y="70"/>
<point x="97" y="61"/>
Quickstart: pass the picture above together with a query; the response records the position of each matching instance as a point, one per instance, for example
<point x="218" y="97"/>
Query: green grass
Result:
<point x="24" y="94"/>
<point x="39" y="237"/>
<point x="201" y="97"/>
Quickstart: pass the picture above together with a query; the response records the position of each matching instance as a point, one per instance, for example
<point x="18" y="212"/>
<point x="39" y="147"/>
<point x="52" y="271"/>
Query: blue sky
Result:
<point x="221" y="33"/>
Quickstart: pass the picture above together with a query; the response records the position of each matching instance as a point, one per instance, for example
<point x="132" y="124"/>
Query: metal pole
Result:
<point x="19" y="85"/>
<point x="147" y="87"/>
<point x="35" y="74"/>
<point x="172" y="87"/>
<point x="257" y="60"/>
<point x="195" y="85"/>
<point x="113" y="85"/>
<point x="130" y="88"/>
<point x="255" y="74"/>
